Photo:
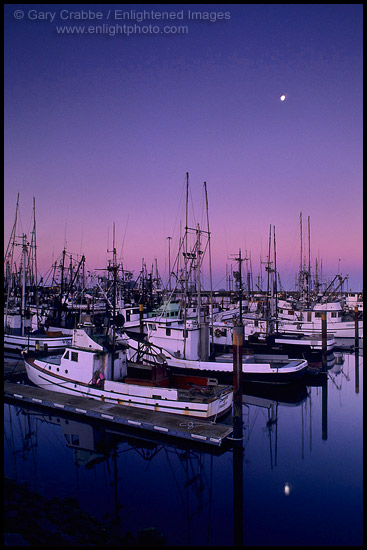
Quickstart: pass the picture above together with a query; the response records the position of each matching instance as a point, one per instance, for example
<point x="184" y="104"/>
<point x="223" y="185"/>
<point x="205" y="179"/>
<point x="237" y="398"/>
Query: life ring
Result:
<point x="218" y="332"/>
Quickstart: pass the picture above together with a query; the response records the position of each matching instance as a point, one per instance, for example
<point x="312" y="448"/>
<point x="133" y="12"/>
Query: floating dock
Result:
<point x="195" y="430"/>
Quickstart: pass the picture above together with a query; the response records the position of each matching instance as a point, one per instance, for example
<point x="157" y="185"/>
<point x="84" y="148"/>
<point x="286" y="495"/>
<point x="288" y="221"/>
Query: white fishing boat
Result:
<point x="307" y="321"/>
<point x="185" y="346"/>
<point x="311" y="342"/>
<point x="96" y="370"/>
<point x="18" y="337"/>
<point x="261" y="334"/>
<point x="272" y="369"/>
<point x="256" y="338"/>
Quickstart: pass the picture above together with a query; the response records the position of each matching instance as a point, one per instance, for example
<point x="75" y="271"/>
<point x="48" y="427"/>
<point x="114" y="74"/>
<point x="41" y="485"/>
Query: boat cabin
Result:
<point x="86" y="360"/>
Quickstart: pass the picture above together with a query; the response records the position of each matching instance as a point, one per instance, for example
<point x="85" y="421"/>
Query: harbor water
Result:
<point x="294" y="480"/>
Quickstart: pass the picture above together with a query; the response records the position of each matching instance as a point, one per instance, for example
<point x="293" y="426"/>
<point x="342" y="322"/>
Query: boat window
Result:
<point x="72" y="439"/>
<point x="290" y="312"/>
<point x="74" y="356"/>
<point x="168" y="332"/>
<point x="309" y="316"/>
<point x="66" y="356"/>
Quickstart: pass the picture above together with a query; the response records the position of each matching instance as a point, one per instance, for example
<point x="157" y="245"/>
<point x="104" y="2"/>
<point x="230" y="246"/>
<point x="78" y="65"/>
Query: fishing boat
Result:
<point x="19" y="337"/>
<point x="256" y="338"/>
<point x="94" y="368"/>
<point x="308" y="320"/>
<point x="272" y="369"/>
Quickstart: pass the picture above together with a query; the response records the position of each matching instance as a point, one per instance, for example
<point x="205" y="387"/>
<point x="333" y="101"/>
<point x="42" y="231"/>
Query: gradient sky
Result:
<point x="102" y="129"/>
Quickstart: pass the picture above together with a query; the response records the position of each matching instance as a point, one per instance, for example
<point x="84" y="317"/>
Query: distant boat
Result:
<point x="256" y="338"/>
<point x="307" y="321"/>
<point x="15" y="341"/>
<point x="99" y="371"/>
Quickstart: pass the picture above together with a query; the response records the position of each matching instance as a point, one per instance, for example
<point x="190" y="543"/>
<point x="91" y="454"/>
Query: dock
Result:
<point x="170" y="425"/>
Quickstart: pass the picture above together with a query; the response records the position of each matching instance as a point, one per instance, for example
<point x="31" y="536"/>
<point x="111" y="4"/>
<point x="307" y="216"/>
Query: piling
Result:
<point x="324" y="332"/>
<point x="237" y="436"/>
<point x="324" y="340"/>
<point x="237" y="381"/>
<point x="356" y="332"/>
<point x="141" y="309"/>
<point x="356" y="365"/>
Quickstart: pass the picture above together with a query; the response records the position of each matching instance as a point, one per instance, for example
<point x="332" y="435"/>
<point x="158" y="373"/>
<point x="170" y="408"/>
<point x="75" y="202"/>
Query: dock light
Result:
<point x="282" y="97"/>
<point x="287" y="489"/>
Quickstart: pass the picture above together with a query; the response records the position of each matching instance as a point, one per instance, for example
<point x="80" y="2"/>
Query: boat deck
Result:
<point x="171" y="425"/>
<point x="189" y="388"/>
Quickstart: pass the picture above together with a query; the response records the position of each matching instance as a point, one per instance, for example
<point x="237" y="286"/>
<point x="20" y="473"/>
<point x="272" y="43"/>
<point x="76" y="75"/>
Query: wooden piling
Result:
<point x="141" y="310"/>
<point x="237" y="380"/>
<point x="356" y="331"/>
<point x="324" y="333"/>
<point x="356" y="373"/>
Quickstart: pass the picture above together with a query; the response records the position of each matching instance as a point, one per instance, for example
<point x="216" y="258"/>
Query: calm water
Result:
<point x="301" y="470"/>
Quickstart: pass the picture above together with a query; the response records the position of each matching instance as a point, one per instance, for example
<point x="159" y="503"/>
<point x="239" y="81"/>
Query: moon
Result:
<point x="282" y="97"/>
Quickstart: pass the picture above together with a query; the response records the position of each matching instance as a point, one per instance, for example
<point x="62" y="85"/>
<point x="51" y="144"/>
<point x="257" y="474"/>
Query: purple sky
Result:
<point x="102" y="129"/>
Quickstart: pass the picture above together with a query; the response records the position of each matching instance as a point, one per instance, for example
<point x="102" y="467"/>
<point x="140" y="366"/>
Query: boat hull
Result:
<point x="253" y="373"/>
<point x="57" y="344"/>
<point x="342" y="329"/>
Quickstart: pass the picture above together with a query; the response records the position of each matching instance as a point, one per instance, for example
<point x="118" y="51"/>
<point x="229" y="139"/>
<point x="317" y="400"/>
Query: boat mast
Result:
<point x="34" y="254"/>
<point x="169" y="264"/>
<point x="24" y="250"/>
<point x="275" y="284"/>
<point x="114" y="269"/>
<point x="300" y="285"/>
<point x="210" y="265"/>
<point x="62" y="285"/>
<point x="309" y="265"/>
<point x="198" y="281"/>
<point x="268" y="291"/>
<point x="186" y="259"/>
<point x="240" y="260"/>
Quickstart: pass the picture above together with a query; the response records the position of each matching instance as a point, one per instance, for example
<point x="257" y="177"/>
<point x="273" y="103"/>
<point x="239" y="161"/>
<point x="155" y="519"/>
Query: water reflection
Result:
<point x="212" y="496"/>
